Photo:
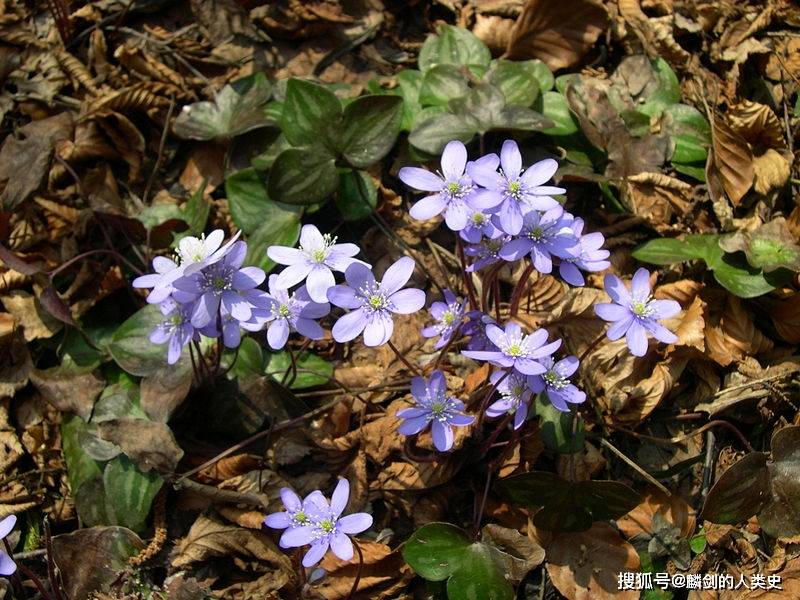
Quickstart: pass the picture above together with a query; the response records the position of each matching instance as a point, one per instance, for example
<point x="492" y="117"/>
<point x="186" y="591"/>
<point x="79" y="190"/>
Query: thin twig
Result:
<point x="403" y="359"/>
<point x="161" y="144"/>
<point x="635" y="467"/>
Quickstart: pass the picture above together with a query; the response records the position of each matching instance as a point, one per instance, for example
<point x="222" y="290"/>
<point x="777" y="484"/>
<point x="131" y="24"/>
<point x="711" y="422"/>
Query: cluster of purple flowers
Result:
<point x="316" y="522"/>
<point x="506" y="212"/>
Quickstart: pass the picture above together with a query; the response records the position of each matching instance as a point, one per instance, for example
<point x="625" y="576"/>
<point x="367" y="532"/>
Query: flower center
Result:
<point x="376" y="301"/>
<point x="318" y="256"/>
<point x="514" y="189"/>
<point x="217" y="281"/>
<point x="555" y="380"/>
<point x="642" y="308"/>
<point x="437" y="408"/>
<point x="300" y="517"/>
<point x="478" y="219"/>
<point x="536" y="234"/>
<point x="284" y="311"/>
<point x="448" y="318"/>
<point x="326" y="526"/>
<point x="515" y="349"/>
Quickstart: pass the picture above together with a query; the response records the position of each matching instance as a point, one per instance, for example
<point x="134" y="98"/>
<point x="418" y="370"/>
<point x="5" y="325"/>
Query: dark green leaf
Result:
<point x="238" y="107"/>
<point x="157" y="214"/>
<point x="356" y="200"/>
<point x="555" y="427"/>
<point x="665" y="251"/>
<point x="131" y="347"/>
<point x="738" y="277"/>
<point x="540" y="72"/>
<point x="249" y="360"/>
<point x="668" y="91"/>
<point x="280" y="227"/>
<point x="196" y="210"/>
<point x="606" y="499"/>
<point x="696" y="171"/>
<point x="302" y="176"/>
<point x="440" y="84"/>
<point x="689" y="131"/>
<point x="409" y="82"/>
<point x="518" y="84"/>
<point x="433" y="134"/>
<point x="308" y="112"/>
<point x="479" y="577"/>
<point x="80" y="466"/>
<point x="369" y="129"/>
<point x="698" y="542"/>
<point x="129" y="493"/>
<point x="312" y="370"/>
<point x="453" y="46"/>
<point x="249" y="202"/>
<point x="554" y="107"/>
<point x="436" y="550"/>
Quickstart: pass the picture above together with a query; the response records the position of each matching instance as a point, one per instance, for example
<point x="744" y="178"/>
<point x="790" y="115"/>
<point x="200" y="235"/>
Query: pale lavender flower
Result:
<point x="315" y="260"/>
<point x="220" y="283"/>
<point x="160" y="282"/>
<point x="372" y="304"/>
<point x="176" y="329"/>
<point x="515" y="349"/>
<point x="7" y="565"/>
<point x="516" y="190"/>
<point x="592" y="257"/>
<point x="298" y="512"/>
<point x="515" y="396"/>
<point x="327" y="528"/>
<point x="449" y="315"/>
<point x="486" y="252"/>
<point x="479" y="226"/>
<point x="543" y="236"/>
<point x="435" y="408"/>
<point x="295" y="312"/>
<point x="453" y="192"/>
<point x="556" y="384"/>
<point x="475" y="328"/>
<point x="636" y="313"/>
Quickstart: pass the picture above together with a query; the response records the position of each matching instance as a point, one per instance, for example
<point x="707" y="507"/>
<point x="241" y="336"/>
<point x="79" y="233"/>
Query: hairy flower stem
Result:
<point x="446" y="347"/>
<point x="403" y="359"/>
<point x="591" y="347"/>
<point x="472" y="293"/>
<point x="487" y="285"/>
<point x="519" y="289"/>
<point x="51" y="567"/>
<point x="354" y="589"/>
<point x="487" y="399"/>
<point x="415" y="453"/>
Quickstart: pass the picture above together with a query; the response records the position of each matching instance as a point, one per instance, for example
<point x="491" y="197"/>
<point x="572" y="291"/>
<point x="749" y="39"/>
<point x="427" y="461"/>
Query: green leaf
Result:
<point x="668" y="91"/>
<point x="689" y="131"/>
<point x="453" y="46"/>
<point x="302" y="176"/>
<point x="436" y="550"/>
<point x="554" y="106"/>
<point x="356" y="200"/>
<point x="440" y="84"/>
<point x="698" y="541"/>
<point x="409" y="82"/>
<point x="479" y="577"/>
<point x="369" y="129"/>
<point x="280" y="227"/>
<point x="697" y="171"/>
<point x="129" y="493"/>
<point x="237" y="108"/>
<point x="249" y="202"/>
<point x="739" y="278"/>
<point x="80" y="466"/>
<point x="539" y="71"/>
<point x="517" y="83"/>
<point x="432" y="135"/>
<point x="157" y="214"/>
<point x="308" y="112"/>
<point x="487" y="106"/>
<point x="196" y="210"/>
<point x="555" y="427"/>
<point x="666" y="251"/>
<point x="312" y="370"/>
<point x="131" y="347"/>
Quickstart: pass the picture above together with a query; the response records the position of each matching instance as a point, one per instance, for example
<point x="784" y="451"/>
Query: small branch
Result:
<point x="403" y="359"/>
<point x="635" y="467"/>
<point x="218" y="495"/>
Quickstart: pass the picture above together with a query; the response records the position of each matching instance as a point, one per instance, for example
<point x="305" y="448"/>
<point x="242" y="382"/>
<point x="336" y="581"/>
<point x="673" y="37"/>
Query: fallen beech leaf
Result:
<point x="585" y="565"/>
<point x="149" y="444"/>
<point x="757" y="124"/>
<point x="15" y="364"/>
<point x="730" y="332"/>
<point x="383" y="574"/>
<point x="657" y="197"/>
<point x="35" y="321"/>
<point x="731" y="160"/>
<point x="517" y="554"/>
<point x="785" y="315"/>
<point x="559" y="33"/>
<point x="674" y="509"/>
<point x="69" y="388"/>
<point x="771" y="171"/>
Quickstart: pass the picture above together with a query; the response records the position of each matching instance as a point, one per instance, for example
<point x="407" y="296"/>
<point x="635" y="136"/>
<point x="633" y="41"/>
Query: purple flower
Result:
<point x="372" y="304"/>
<point x="454" y="194"/>
<point x="555" y="382"/>
<point x="326" y="528"/>
<point x="221" y="283"/>
<point x="198" y="253"/>
<point x="634" y="314"/>
<point x="515" y="396"/>
<point x="517" y="190"/>
<point x="449" y="315"/>
<point x="592" y="257"/>
<point x="176" y="328"/>
<point x="298" y="512"/>
<point x="486" y="251"/>
<point x="475" y="328"/>
<point x="434" y="408"/>
<point x="292" y="313"/>
<point x="479" y="226"/>
<point x="7" y="565"/>
<point x="543" y="236"/>
<point x="314" y="261"/>
<point x="166" y="272"/>
<point x="516" y="350"/>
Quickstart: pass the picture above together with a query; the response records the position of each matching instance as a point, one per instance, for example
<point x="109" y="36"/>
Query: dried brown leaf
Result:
<point x="383" y="575"/>
<point x="149" y="444"/>
<point x="558" y="33"/>
<point x="69" y="389"/>
<point x="656" y="197"/>
<point x="640" y="520"/>
<point x="731" y="334"/>
<point x="757" y="124"/>
<point x="35" y="321"/>
<point x="731" y="160"/>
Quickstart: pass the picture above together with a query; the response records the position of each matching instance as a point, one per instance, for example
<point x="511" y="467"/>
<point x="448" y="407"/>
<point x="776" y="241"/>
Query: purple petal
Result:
<point x="620" y="328"/>
<point x="456" y="216"/>
<point x="343" y="296"/>
<point x="378" y="330"/>
<point x="205" y="310"/>
<point x="419" y="389"/>
<point x="617" y="290"/>
<point x="236" y="306"/>
<point x="438" y="383"/>
<point x="408" y="301"/>
<point x="359" y="276"/>
<point x="292" y="275"/>
<point x="277" y="334"/>
<point x="340" y="496"/>
<point x="410" y="413"/>
<point x="342" y="546"/>
<point x="454" y="159"/>
<point x="484" y="199"/>
<point x="315" y="310"/>
<point x="420" y="179"/>
<point x="146" y="281"/>
<point x="428" y="207"/>
<point x="7" y="565"/>
<point x="539" y="172"/>
<point x="511" y="160"/>
<point x="315" y="553"/>
<point x="290" y="499"/>
<point x="248" y="278"/>
<point x="571" y="274"/>
<point x="355" y="523"/>
<point x="636" y="338"/>
<point x="611" y="312"/>
<point x="309" y="328"/>
<point x="397" y="275"/>
<point x="6" y="525"/>
<point x="567" y="366"/>
<point x="231" y="335"/>
<point x="509" y="217"/>
<point x="298" y="536"/>
<point x="412" y="425"/>
<point x="442" y="436"/>
<point x="349" y="326"/>
<point x="528" y="366"/>
<point x="546" y="350"/>
<point x="496" y="335"/>
<point x="283" y="255"/>
<point x="311" y="238"/>
<point x="664" y="309"/>
<point x="461" y="420"/>
<point x="541" y="259"/>
<point x="640" y="284"/>
<point x="319" y="281"/>
<point x="278" y="520"/>
<point x="661" y="333"/>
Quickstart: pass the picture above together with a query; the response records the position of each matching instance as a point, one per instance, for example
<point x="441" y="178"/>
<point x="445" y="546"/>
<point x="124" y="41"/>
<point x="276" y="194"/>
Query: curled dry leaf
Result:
<point x="585" y="565"/>
<point x="730" y="332"/>
<point x="149" y="444"/>
<point x="383" y="575"/>
<point x="673" y="508"/>
<point x="656" y="197"/>
<point x="637" y="402"/>
<point x="558" y="33"/>
<point x="730" y="162"/>
<point x="785" y="315"/>
<point x="517" y="554"/>
<point x="36" y="322"/>
<point x="69" y="388"/>
<point x="757" y="124"/>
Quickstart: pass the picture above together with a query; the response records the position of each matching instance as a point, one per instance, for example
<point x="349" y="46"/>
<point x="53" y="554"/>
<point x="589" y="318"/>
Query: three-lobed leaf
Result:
<point x="131" y="347"/>
<point x="308" y="112"/>
<point x="453" y="46"/>
<point x="369" y="129"/>
<point x="249" y="202"/>
<point x="302" y="176"/>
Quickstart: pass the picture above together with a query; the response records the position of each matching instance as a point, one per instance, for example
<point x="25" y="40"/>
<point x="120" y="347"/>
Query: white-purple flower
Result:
<point x="7" y="564"/>
<point x="556" y="384"/>
<point x="515" y="350"/>
<point x="326" y="528"/>
<point x="479" y="226"/>
<point x="160" y="282"/>
<point x="220" y="283"/>
<point x="295" y="312"/>
<point x="176" y="330"/>
<point x="449" y="316"/>
<point x="636" y="313"/>
<point x="592" y="257"/>
<point x="515" y="190"/>
<point x="435" y="408"/>
<point x="298" y="512"/>
<point x="372" y="304"/>
<point x="543" y="236"/>
<point x="475" y="328"/>
<point x="515" y="396"/>
<point x="452" y="192"/>
<point x="315" y="260"/>
<point x="198" y="253"/>
<point x="486" y="252"/>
